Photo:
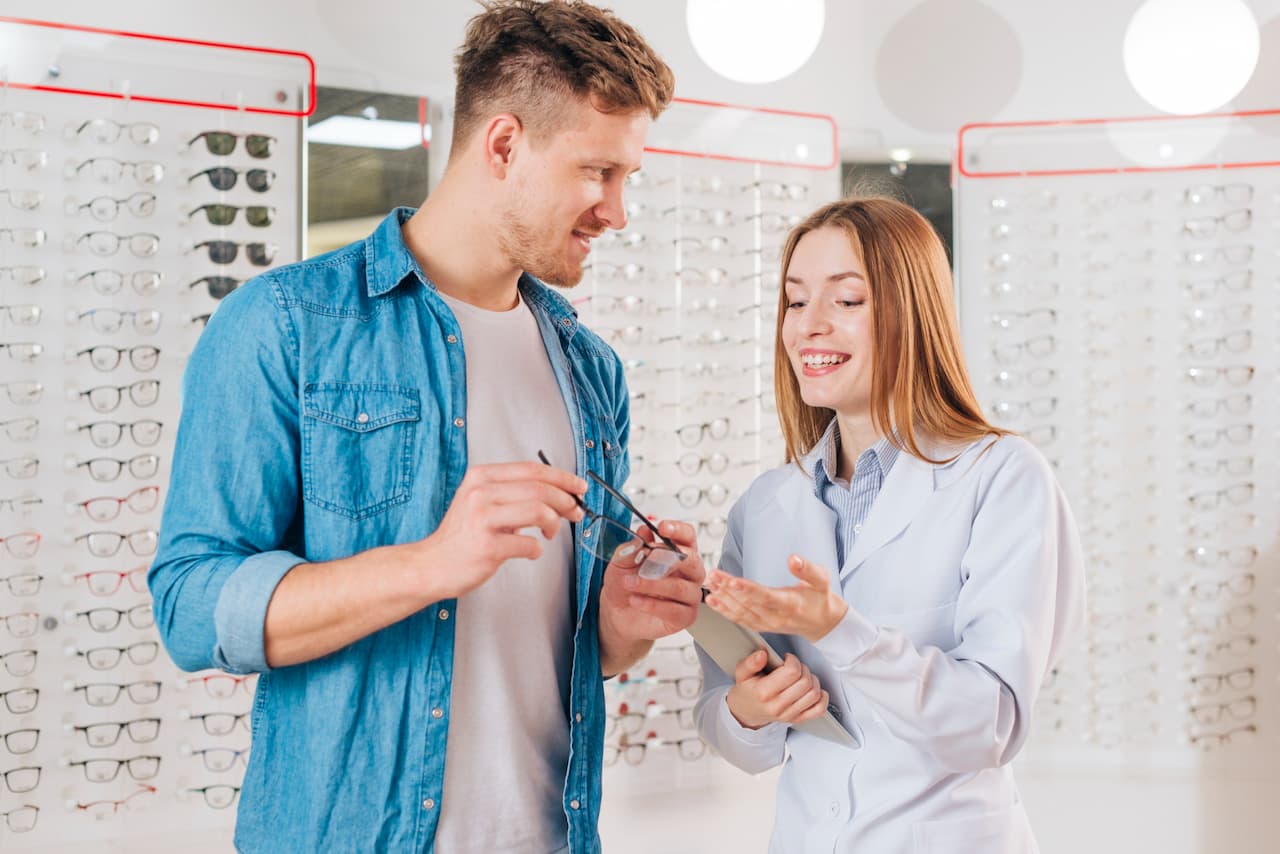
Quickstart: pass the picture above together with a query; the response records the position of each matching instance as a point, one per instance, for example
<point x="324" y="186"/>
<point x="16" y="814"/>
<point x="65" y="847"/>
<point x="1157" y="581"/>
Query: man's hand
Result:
<point x="809" y="609"/>
<point x="636" y="611"/>
<point x="481" y="528"/>
<point x="790" y="694"/>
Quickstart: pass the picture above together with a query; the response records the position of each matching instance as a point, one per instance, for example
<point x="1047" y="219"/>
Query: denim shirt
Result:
<point x="324" y="415"/>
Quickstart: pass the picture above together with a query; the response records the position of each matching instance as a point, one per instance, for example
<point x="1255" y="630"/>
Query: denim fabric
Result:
<point x="323" y="415"/>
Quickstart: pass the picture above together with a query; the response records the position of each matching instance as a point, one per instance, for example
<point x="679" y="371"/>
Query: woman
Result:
<point x="911" y="559"/>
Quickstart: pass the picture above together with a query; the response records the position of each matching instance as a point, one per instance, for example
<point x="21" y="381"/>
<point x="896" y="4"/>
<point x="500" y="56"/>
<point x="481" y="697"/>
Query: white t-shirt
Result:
<point x="508" y="744"/>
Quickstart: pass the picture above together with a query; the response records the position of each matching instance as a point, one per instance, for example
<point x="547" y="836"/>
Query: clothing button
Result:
<point x="857" y="529"/>
<point x="567" y="322"/>
<point x="437" y="713"/>
<point x="590" y="444"/>
<point x="429" y="804"/>
<point x="607" y="446"/>
<point x="573" y="804"/>
<point x="578" y="717"/>
<point x="458" y="422"/>
<point x="363" y="418"/>
<point x="444" y="613"/>
<point x="452" y="339"/>
<point x="834" y="808"/>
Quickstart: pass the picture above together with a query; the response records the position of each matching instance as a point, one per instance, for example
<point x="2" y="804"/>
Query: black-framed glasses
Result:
<point x="218" y="286"/>
<point x="20" y="741"/>
<point x="615" y="541"/>
<point x="106" y="770"/>
<point x="223" y="178"/>
<point x="102" y="694"/>
<point x="220" y="213"/>
<point x="220" y="143"/>
<point x="225" y="251"/>
<point x="21" y="819"/>
<point x="139" y="730"/>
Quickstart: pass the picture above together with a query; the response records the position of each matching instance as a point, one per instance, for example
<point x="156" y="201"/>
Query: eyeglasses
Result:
<point x="107" y="657"/>
<point x="1235" y="342"/>
<point x="108" y="619"/>
<point x="20" y="741"/>
<point x="21" y="819"/>
<point x="109" y="320"/>
<point x="714" y="244"/>
<point x="23" y="583"/>
<point x="21" y="505"/>
<point x="104" y="357"/>
<point x="218" y="797"/>
<point x="1032" y="290"/>
<point x="691" y="434"/>
<point x="1218" y="739"/>
<point x="105" y="243"/>
<point x="19" y="701"/>
<point x="1209" y="648"/>
<point x="107" y="208"/>
<point x="1239" y="254"/>
<point x="693" y="462"/>
<point x="224" y="178"/>
<point x="1235" y="404"/>
<point x="621" y="240"/>
<point x="1040" y="259"/>
<point x="107" y="808"/>
<point x="22" y="624"/>
<point x="605" y="270"/>
<point x="25" y="158"/>
<point x="108" y="282"/>
<point x="1207" y="226"/>
<point x="103" y="694"/>
<point x="23" y="200"/>
<point x="107" y="131"/>
<point x="1241" y="709"/>
<point x="106" y="770"/>
<point x="21" y="468"/>
<point x="1239" y="616"/>
<point x="22" y="545"/>
<point x="613" y="540"/>
<point x="1040" y="346"/>
<point x="1236" y="434"/>
<point x="1200" y="316"/>
<point x="109" y="170"/>
<point x="107" y="469"/>
<point x="25" y="351"/>
<point x="28" y="237"/>
<point x="1240" y="556"/>
<point x="32" y="123"/>
<point x="700" y="276"/>
<point x="220" y="213"/>
<point x="140" y="731"/>
<point x="103" y="582"/>
<point x="220" y="686"/>
<point x="779" y="190"/>
<point x="1032" y="317"/>
<point x="217" y="723"/>
<point x="606" y="304"/>
<point x="218" y="759"/>
<point x="691" y="496"/>
<point x="107" y="434"/>
<point x="21" y="780"/>
<point x="105" y="508"/>
<point x="1235" y="466"/>
<point x="772" y="221"/>
<point x="1038" y="406"/>
<point x="26" y="275"/>
<point x="1236" y="194"/>
<point x="1236" y="375"/>
<point x="25" y="314"/>
<point x="700" y="216"/>
<point x="23" y="429"/>
<point x="106" y="398"/>
<point x="218" y="286"/>
<point x="221" y="143"/>
<point x="1236" y="585"/>
<point x="19" y="662"/>
<point x="225" y="251"/>
<point x="714" y="527"/>
<point x="107" y="543"/>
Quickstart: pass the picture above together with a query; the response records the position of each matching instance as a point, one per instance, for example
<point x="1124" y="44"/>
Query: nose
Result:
<point x="814" y="319"/>
<point x="612" y="210"/>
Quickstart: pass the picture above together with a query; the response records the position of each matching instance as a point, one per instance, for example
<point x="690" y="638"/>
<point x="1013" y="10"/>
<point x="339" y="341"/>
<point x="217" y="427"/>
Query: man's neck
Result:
<point x="455" y="243"/>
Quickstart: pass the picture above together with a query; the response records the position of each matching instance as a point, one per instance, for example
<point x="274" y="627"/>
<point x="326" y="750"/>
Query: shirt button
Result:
<point x="567" y="322"/>
<point x="437" y="713"/>
<point x="363" y="418"/>
<point x="590" y="444"/>
<point x="429" y="804"/>
<point x="452" y="339"/>
<point x="578" y="717"/>
<point x="444" y="613"/>
<point x="573" y="804"/>
<point x="458" y="422"/>
<point x="834" y="808"/>
<point x="857" y="529"/>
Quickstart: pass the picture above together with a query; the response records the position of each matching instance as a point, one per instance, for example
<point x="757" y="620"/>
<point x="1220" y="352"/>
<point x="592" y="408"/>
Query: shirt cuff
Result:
<point x="240" y="616"/>
<point x="851" y="639"/>
<point x="767" y="734"/>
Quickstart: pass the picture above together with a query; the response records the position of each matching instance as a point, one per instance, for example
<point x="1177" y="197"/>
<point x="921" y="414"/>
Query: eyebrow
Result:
<point x="834" y="277"/>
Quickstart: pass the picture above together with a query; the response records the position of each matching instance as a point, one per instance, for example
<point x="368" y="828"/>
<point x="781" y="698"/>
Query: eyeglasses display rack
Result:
<point x="136" y="191"/>
<point x="1119" y="289"/>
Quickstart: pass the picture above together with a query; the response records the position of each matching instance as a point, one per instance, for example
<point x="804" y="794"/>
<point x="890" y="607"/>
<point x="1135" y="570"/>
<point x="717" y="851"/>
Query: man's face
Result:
<point x="566" y="190"/>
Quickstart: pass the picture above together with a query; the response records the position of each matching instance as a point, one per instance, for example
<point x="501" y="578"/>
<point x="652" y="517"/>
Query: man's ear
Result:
<point x="502" y="138"/>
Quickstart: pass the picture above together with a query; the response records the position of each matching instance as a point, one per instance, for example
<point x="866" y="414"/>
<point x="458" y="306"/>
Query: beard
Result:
<point x="535" y="246"/>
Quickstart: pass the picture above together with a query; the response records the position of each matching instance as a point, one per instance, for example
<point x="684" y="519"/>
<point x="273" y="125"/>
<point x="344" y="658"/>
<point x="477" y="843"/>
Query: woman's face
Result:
<point x="826" y="328"/>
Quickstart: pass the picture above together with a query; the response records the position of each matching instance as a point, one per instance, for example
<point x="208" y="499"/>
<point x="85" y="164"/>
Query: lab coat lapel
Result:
<point x="808" y="523"/>
<point x="905" y="490"/>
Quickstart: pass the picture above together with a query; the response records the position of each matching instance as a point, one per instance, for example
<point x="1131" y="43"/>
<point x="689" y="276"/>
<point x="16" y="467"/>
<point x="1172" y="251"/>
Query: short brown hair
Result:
<point x="531" y="58"/>
<point x="918" y="375"/>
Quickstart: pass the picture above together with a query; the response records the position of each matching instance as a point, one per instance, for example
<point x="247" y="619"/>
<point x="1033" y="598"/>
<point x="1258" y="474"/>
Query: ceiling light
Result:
<point x="366" y="133"/>
<point x="754" y="41"/>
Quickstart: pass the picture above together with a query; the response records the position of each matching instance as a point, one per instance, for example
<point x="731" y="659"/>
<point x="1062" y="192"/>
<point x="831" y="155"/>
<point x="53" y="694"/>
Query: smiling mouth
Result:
<point x="818" y="361"/>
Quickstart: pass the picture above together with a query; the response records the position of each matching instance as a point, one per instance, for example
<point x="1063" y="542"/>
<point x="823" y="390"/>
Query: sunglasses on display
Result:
<point x="218" y="286"/>
<point x="225" y="251"/>
<point x="224" y="178"/>
<point x="258" y="216"/>
<point x="221" y="143"/>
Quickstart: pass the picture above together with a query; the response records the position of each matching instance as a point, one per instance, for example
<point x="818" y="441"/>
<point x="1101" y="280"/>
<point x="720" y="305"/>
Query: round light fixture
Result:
<point x="755" y="41"/>
<point x="1190" y="56"/>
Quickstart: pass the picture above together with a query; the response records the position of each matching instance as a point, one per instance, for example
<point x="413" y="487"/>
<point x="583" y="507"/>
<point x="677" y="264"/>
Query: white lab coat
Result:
<point x="965" y="584"/>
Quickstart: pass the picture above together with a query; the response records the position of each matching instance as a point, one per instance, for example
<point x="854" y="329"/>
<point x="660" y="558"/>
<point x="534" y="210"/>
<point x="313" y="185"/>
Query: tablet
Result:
<point x="728" y="643"/>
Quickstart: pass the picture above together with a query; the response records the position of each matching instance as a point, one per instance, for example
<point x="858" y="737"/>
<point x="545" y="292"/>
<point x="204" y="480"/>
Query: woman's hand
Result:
<point x="809" y="609"/>
<point x="790" y="694"/>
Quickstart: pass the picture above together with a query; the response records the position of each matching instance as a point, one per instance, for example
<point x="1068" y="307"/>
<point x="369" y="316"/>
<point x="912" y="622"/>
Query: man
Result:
<point x="355" y="479"/>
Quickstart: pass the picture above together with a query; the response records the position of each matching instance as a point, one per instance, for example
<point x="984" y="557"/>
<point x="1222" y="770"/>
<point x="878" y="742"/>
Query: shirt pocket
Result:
<point x="357" y="446"/>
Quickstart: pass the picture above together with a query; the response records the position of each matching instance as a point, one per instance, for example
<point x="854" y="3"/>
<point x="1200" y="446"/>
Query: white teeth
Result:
<point x="823" y="361"/>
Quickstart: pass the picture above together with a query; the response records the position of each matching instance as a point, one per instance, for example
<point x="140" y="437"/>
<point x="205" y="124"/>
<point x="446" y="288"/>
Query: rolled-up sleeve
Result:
<point x="231" y="517"/>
